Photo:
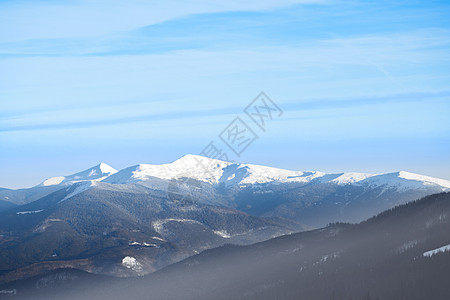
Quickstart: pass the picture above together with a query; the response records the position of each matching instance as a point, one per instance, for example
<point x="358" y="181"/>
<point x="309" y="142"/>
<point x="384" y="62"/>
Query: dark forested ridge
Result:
<point x="95" y="230"/>
<point x="381" y="258"/>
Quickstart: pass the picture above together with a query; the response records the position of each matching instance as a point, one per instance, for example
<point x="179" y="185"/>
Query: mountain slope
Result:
<point x="24" y="196"/>
<point x="50" y="185"/>
<point x="312" y="198"/>
<point x="95" y="229"/>
<point x="4" y="205"/>
<point x="386" y="257"/>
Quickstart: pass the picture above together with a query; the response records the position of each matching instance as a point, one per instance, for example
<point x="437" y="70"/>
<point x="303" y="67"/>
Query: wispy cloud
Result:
<point x="75" y="72"/>
<point x="89" y="117"/>
<point x="385" y="64"/>
<point x="24" y="20"/>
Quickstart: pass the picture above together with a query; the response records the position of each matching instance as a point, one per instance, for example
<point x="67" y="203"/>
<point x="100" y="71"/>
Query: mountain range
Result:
<point x="98" y="219"/>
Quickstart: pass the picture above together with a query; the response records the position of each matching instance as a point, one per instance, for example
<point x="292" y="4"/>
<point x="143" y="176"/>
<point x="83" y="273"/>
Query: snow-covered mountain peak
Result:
<point x="191" y="166"/>
<point x="215" y="171"/>
<point x="221" y="172"/>
<point x="403" y="180"/>
<point x="96" y="173"/>
<point x="210" y="170"/>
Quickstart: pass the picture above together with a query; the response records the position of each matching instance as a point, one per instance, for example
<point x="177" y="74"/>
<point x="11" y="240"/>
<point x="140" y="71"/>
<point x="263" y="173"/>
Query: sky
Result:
<point x="363" y="86"/>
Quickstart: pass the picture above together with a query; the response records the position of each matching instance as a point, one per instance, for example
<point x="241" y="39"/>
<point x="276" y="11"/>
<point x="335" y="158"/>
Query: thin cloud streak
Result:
<point x="75" y="19"/>
<point x="317" y="104"/>
<point x="76" y="84"/>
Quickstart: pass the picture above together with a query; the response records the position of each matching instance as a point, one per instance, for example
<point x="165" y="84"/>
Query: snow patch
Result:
<point x="436" y="251"/>
<point x="106" y="169"/>
<point x="222" y="233"/>
<point x="144" y="244"/>
<point x="53" y="181"/>
<point x="130" y="262"/>
<point x="79" y="189"/>
<point x="351" y="178"/>
<point x="159" y="224"/>
<point x="157" y="238"/>
<point x="29" y="212"/>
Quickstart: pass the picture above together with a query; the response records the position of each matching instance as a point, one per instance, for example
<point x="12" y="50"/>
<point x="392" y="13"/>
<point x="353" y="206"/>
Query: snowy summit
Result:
<point x="97" y="173"/>
<point x="215" y="171"/>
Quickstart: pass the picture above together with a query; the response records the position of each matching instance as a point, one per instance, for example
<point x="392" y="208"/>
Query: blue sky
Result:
<point x="364" y="85"/>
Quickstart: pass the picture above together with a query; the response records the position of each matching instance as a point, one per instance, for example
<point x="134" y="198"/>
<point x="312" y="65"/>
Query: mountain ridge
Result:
<point x="205" y="171"/>
<point x="215" y="171"/>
